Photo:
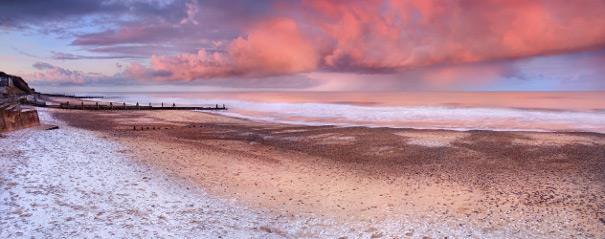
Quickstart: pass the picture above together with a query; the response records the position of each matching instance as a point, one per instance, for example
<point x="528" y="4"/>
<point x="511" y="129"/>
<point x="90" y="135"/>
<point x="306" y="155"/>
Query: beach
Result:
<point x="294" y="181"/>
<point x="387" y="119"/>
<point x="76" y="183"/>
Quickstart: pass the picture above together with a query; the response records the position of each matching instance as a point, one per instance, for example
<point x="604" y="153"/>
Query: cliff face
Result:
<point x="13" y="85"/>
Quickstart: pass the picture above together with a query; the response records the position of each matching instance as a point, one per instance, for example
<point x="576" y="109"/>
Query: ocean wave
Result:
<point x="420" y="117"/>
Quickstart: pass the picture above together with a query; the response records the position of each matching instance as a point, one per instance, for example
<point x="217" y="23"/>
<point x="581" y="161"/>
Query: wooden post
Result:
<point x="82" y="104"/>
<point x="97" y="104"/>
<point x="111" y="105"/>
<point x="138" y="107"/>
<point x="134" y="128"/>
<point x="124" y="104"/>
<point x="162" y="104"/>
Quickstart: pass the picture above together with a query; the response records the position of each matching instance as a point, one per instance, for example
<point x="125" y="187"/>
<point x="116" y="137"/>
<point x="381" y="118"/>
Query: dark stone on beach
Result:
<point x="52" y="127"/>
<point x="602" y="220"/>
<point x="266" y="229"/>
<point x="377" y="235"/>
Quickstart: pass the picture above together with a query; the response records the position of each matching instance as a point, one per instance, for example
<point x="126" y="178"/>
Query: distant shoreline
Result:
<point x="497" y="124"/>
<point x="72" y="96"/>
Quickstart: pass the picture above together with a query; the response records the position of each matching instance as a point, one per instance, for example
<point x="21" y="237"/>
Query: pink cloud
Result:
<point x="48" y="72"/>
<point x="466" y="76"/>
<point x="392" y="35"/>
<point x="192" y="11"/>
<point x="470" y="74"/>
<point x="51" y="74"/>
<point x="403" y="34"/>
<point x="274" y="47"/>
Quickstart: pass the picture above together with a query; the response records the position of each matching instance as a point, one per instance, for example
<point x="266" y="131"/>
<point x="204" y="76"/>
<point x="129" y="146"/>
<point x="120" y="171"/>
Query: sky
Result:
<point x="310" y="45"/>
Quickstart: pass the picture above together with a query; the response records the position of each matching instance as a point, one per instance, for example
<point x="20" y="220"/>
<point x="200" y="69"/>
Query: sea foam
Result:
<point x="420" y="117"/>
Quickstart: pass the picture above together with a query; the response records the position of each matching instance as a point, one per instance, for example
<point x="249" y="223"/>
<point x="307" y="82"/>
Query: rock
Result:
<point x="377" y="235"/>
<point x="51" y="127"/>
<point x="265" y="228"/>
<point x="14" y="117"/>
<point x="602" y="220"/>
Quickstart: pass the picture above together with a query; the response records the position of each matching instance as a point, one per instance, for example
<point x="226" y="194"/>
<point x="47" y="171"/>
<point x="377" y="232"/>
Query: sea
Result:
<point x="499" y="111"/>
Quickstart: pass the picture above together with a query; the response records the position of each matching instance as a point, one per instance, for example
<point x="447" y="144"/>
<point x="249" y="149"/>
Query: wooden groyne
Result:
<point x="124" y="106"/>
<point x="76" y="103"/>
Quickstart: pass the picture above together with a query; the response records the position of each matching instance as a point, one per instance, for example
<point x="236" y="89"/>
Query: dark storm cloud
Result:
<point x="24" y="13"/>
<point x="18" y="13"/>
<point x="172" y="25"/>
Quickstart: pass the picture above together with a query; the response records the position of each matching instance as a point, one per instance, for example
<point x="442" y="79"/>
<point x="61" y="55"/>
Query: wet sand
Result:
<point x="390" y="182"/>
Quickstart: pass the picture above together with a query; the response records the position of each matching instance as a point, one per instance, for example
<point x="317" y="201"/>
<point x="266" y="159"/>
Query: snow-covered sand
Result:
<point x="72" y="183"/>
<point x="69" y="183"/>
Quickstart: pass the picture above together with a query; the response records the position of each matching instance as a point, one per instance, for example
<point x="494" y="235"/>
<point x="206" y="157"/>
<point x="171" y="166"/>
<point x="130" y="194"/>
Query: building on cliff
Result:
<point x="11" y="86"/>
